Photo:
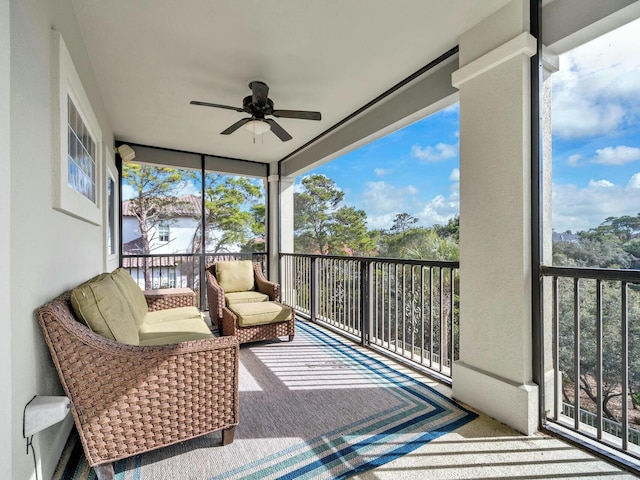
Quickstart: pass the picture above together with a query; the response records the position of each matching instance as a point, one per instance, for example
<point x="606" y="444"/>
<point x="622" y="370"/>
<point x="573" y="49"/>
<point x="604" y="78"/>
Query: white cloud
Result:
<point x="620" y="155"/>
<point x="634" y="181"/>
<point x="578" y="209"/>
<point x="442" y="151"/>
<point x="440" y="209"/>
<point x="455" y="175"/>
<point x="383" y="201"/>
<point x="381" y="172"/>
<point x="574" y="160"/>
<point x="595" y="87"/>
<point x="600" y="183"/>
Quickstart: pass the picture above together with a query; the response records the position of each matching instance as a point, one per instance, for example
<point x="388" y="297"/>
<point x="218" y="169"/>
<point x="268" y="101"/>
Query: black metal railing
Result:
<point x="596" y="354"/>
<point x="405" y="308"/>
<point x="180" y="270"/>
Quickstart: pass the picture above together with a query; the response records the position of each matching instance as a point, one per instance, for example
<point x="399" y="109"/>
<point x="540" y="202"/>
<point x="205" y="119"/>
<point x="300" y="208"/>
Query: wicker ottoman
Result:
<point x="252" y="322"/>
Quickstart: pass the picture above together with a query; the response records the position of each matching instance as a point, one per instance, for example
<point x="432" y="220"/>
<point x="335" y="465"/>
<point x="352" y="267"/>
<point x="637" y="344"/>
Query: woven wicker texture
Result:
<point x="215" y="293"/>
<point x="170" y="298"/>
<point x="128" y="399"/>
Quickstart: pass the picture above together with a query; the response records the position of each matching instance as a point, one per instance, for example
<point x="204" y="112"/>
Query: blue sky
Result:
<point x="413" y="170"/>
<point x="596" y="148"/>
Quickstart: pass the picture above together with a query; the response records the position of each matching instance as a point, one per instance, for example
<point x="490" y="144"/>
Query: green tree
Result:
<point x="591" y="252"/>
<point x="153" y="200"/>
<point x="322" y="225"/>
<point x="234" y="210"/>
<point x="403" y="222"/>
<point x="153" y="196"/>
<point x="613" y="244"/>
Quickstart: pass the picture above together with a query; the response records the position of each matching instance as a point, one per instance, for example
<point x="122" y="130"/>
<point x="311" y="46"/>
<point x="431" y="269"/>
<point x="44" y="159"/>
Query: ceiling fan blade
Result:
<point x="206" y="104"/>
<point x="297" y="114"/>
<point x="235" y="126"/>
<point x="260" y="92"/>
<point x="280" y="132"/>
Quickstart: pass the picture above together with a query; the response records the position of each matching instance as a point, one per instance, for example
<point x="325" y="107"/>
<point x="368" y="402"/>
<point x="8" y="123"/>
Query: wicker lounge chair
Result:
<point x="129" y="399"/>
<point x="225" y="313"/>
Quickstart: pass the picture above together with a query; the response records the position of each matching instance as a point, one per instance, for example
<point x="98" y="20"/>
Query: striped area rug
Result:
<point x="317" y="407"/>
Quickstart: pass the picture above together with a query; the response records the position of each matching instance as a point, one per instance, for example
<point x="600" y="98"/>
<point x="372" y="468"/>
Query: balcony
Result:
<point x="406" y="313"/>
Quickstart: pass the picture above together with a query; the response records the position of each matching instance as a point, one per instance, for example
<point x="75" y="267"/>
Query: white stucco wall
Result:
<point x="181" y="232"/>
<point x="5" y="245"/>
<point x="49" y="251"/>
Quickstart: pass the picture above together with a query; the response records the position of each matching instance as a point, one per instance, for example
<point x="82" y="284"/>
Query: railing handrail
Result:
<point x="196" y="254"/>
<point x="428" y="263"/>
<point x="623" y="275"/>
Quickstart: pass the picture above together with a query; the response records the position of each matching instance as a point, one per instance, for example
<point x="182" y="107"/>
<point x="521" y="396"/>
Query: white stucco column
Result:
<point x="273" y="230"/>
<point x="494" y="372"/>
<point x="286" y="214"/>
<point x="6" y="444"/>
<point x="280" y="220"/>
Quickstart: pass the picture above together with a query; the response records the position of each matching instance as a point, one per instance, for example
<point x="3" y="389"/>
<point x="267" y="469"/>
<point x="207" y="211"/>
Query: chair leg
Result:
<point x="291" y="338"/>
<point x="227" y="435"/>
<point x="104" y="471"/>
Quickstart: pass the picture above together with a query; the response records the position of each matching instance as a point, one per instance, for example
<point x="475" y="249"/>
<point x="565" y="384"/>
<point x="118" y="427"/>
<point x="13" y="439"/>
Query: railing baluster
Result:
<point x="599" y="354"/>
<point x="576" y="350"/>
<point x="556" y="351"/>
<point x="413" y="314"/>
<point x="422" y="317"/>
<point x="625" y="365"/>
<point x="430" y="317"/>
<point x="450" y="346"/>
<point x="403" y="350"/>
<point x="442" y="329"/>
<point x="396" y="307"/>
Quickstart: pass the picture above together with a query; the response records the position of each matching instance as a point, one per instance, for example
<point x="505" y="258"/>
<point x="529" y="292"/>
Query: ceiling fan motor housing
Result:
<point x="257" y="110"/>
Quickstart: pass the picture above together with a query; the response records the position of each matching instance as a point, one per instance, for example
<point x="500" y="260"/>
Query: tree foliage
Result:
<point x="234" y="215"/>
<point x="323" y="225"/>
<point x="614" y="244"/>
<point x="403" y="240"/>
<point x="153" y="201"/>
<point x="234" y="206"/>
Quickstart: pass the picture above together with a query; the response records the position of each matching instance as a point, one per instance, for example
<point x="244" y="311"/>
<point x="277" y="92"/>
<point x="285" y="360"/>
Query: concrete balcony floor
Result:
<point x="486" y="449"/>
<point x="489" y="450"/>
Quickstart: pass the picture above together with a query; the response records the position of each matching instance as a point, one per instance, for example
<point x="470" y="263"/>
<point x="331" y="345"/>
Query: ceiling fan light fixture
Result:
<point x="257" y="127"/>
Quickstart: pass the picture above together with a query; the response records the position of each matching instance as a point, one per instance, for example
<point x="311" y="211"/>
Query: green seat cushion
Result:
<point x="251" y="314"/>
<point x="235" y="275"/>
<point x="174" y="331"/>
<point x="132" y="294"/>
<point x="169" y="315"/>
<point x="102" y="307"/>
<point x="245" y="297"/>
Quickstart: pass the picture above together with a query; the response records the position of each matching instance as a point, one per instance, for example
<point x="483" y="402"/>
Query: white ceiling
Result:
<point x="151" y="58"/>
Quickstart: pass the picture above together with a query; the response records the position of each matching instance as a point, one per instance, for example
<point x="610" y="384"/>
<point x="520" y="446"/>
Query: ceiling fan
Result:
<point x="258" y="105"/>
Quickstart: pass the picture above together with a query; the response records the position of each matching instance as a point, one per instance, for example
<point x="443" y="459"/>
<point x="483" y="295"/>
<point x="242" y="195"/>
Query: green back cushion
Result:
<point x="102" y="307"/>
<point x="132" y="294"/>
<point x="235" y="275"/>
<point x="75" y="300"/>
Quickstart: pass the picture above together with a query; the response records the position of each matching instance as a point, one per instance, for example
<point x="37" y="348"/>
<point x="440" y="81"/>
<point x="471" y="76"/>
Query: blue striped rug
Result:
<point x="317" y="407"/>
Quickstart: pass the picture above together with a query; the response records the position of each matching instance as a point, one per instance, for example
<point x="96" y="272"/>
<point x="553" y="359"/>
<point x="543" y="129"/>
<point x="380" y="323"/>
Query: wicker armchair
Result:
<point x="129" y="399"/>
<point x="227" y="321"/>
